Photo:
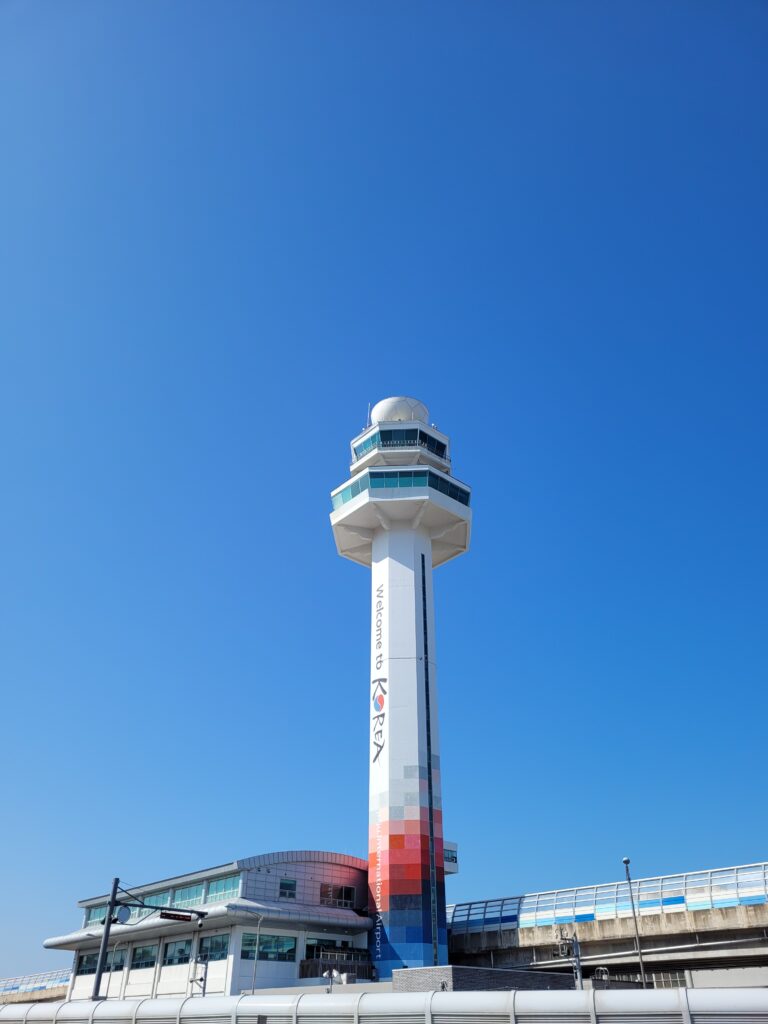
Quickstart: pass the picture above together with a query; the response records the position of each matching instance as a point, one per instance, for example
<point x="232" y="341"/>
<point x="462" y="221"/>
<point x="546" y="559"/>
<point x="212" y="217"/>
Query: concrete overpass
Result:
<point x="703" y="928"/>
<point x="35" y="988"/>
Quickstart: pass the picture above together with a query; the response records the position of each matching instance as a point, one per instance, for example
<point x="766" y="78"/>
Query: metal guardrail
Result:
<point x="744" y="885"/>
<point x="365" y="448"/>
<point x="361" y="970"/>
<point x="35" y="982"/>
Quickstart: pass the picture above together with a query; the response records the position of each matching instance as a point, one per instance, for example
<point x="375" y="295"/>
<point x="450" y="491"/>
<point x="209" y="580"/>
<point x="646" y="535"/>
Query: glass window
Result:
<point x="86" y="963"/>
<point x="143" y="956"/>
<point x="320" y="949"/>
<point x="337" y="895"/>
<point x="401" y="438"/>
<point x="366" y="445"/>
<point x="271" y="947"/>
<point x="189" y="896"/>
<point x="223" y="888"/>
<point x="213" y="947"/>
<point x="158" y="899"/>
<point x="401" y="478"/>
<point x="115" y="959"/>
<point x="177" y="952"/>
<point x="450" y="856"/>
<point x="95" y="915"/>
<point x="287" y="888"/>
<point x="155" y="899"/>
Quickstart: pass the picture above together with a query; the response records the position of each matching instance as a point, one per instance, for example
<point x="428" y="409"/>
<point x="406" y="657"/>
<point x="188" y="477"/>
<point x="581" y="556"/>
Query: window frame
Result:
<point x="335" y="900"/>
<point x="175" y="961"/>
<point x="80" y="969"/>
<point x="221" y="954"/>
<point x="144" y="965"/>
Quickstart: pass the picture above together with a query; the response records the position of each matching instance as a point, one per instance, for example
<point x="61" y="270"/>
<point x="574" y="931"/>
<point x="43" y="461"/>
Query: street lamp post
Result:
<point x="122" y="942"/>
<point x="634" y="918"/>
<point x="256" y="951"/>
<point x="332" y="975"/>
<point x="577" y="961"/>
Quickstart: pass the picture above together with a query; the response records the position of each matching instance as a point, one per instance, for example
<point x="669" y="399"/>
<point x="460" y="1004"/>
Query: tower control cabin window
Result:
<point x="337" y="895"/>
<point x="287" y="888"/>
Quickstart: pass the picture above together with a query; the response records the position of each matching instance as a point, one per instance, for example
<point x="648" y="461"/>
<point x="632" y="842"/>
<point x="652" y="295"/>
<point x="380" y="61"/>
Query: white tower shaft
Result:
<point x="401" y="513"/>
<point x="406" y="830"/>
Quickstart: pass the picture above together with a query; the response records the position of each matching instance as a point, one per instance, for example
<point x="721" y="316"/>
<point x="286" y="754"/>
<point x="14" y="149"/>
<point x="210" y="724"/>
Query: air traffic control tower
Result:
<point x="401" y="513"/>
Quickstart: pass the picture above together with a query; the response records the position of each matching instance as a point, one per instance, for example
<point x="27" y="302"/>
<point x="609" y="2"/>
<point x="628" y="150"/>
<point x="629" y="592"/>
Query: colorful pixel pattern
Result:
<point x="401" y="885"/>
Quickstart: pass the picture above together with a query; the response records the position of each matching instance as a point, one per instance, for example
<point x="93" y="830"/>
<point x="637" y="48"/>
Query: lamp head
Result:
<point x="625" y="861"/>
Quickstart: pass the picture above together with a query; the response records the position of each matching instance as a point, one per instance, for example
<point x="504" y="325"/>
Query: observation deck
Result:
<point x="401" y="479"/>
<point x="393" y="446"/>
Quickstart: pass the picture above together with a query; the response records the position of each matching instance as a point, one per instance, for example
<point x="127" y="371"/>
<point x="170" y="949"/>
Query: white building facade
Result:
<point x="270" y="921"/>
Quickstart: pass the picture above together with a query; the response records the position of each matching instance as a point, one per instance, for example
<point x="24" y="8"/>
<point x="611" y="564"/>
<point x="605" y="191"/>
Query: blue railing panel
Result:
<point x="745" y="885"/>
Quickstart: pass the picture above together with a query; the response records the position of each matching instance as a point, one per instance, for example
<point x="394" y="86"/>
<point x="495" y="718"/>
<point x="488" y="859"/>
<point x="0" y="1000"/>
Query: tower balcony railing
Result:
<point x="349" y="956"/>
<point x="414" y="439"/>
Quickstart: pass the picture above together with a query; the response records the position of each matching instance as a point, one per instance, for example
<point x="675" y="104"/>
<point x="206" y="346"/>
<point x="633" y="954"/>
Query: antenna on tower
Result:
<point x="368" y="417"/>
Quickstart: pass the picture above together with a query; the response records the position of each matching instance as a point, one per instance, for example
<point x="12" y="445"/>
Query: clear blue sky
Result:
<point x="227" y="227"/>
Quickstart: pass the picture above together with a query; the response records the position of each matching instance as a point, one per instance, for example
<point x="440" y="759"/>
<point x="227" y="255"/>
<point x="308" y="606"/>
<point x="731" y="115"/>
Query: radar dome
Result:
<point x="393" y="410"/>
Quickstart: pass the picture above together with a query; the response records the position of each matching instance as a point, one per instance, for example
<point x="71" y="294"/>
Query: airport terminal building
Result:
<point x="281" y="920"/>
<point x="275" y="920"/>
<point x="270" y="920"/>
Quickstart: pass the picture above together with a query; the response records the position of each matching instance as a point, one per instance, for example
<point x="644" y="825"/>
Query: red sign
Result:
<point x="175" y="915"/>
